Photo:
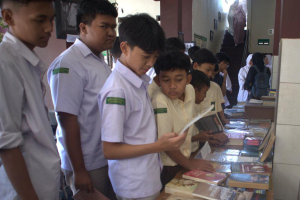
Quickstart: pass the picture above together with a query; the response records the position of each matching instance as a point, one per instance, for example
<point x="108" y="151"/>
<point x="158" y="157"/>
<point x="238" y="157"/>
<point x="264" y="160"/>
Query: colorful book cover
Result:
<point x="221" y="167"/>
<point x="257" y="191"/>
<point x="249" y="168"/>
<point x="202" y="176"/>
<point x="181" y="185"/>
<point x="250" y="178"/>
<point x="210" y="191"/>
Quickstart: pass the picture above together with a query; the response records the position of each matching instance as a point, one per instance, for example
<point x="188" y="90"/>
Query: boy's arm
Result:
<point x="11" y="101"/>
<point x="16" y="169"/>
<point x="71" y="136"/>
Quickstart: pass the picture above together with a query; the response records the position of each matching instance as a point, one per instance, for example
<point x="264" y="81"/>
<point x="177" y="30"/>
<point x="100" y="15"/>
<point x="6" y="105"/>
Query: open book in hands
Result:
<point x="83" y="195"/>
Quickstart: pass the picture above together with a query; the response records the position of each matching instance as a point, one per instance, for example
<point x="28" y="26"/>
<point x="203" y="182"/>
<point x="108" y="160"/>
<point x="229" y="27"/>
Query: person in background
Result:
<point x="239" y="22"/>
<point x="116" y="51"/>
<point x="176" y="42"/>
<point x="268" y="63"/>
<point x="232" y="10"/>
<point x="243" y="94"/>
<point x="29" y="161"/>
<point x="75" y="77"/>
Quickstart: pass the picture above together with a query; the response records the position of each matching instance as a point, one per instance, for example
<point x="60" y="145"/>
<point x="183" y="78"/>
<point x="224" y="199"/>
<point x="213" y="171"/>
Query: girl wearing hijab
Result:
<point x="239" y="22"/>
<point x="258" y="61"/>
<point x="243" y="94"/>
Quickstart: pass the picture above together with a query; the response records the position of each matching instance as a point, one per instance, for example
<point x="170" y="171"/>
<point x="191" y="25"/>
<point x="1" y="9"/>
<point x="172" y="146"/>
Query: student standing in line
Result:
<point x="174" y="107"/>
<point x="128" y="127"/>
<point x="205" y="61"/>
<point x="243" y="94"/>
<point x="75" y="78"/>
<point x="29" y="162"/>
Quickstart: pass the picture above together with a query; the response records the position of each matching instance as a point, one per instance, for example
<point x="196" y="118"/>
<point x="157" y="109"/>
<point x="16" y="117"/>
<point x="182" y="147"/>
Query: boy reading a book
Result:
<point x="127" y="119"/>
<point x="174" y="107"/>
<point x="29" y="162"/>
<point x="204" y="60"/>
<point x="201" y="84"/>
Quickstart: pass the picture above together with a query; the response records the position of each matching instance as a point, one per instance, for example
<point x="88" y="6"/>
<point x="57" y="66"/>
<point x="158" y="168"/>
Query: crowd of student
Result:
<point x="115" y="134"/>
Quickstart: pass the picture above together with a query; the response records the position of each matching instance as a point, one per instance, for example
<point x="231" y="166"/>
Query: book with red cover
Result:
<point x="250" y="168"/>
<point x="205" y="177"/>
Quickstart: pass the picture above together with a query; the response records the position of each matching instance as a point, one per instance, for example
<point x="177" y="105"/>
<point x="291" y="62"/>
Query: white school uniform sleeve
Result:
<point x="112" y="107"/>
<point x="219" y="99"/>
<point x="67" y="87"/>
<point x="163" y="117"/>
<point x="11" y="102"/>
<point x="242" y="77"/>
<point x="228" y="83"/>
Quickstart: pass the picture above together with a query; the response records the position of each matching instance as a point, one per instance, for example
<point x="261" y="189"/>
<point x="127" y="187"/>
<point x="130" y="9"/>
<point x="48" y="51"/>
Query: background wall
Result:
<point x="261" y="19"/>
<point x="204" y="13"/>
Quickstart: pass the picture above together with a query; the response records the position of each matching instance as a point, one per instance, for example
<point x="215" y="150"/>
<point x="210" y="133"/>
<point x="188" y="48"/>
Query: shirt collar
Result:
<point x="131" y="76"/>
<point x="187" y="97"/>
<point x="84" y="49"/>
<point x="22" y="49"/>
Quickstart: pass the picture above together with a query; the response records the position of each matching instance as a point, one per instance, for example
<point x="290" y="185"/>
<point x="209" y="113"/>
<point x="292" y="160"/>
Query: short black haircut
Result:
<point x="116" y="50"/>
<point x="217" y="68"/>
<point x="192" y="50"/>
<point x="20" y="2"/>
<point x="175" y="42"/>
<point x="171" y="60"/>
<point x="204" y="56"/>
<point x="221" y="56"/>
<point x="142" y="31"/>
<point x="88" y="9"/>
<point x="199" y="80"/>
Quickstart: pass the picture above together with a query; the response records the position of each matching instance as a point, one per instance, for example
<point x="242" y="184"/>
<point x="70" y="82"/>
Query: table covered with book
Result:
<point x="243" y="166"/>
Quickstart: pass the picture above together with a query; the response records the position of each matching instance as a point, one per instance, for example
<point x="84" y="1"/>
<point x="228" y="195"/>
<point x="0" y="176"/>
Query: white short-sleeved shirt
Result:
<point x="75" y="78"/>
<point x="153" y="87"/>
<point x="151" y="73"/>
<point x="214" y="96"/>
<point x="228" y="87"/>
<point x="23" y="120"/>
<point x="127" y="117"/>
<point x="171" y="116"/>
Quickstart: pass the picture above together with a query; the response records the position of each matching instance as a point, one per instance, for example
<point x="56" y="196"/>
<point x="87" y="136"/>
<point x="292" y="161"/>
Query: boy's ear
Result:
<point x="82" y="28"/>
<point x="124" y="46"/>
<point x="157" y="81"/>
<point x="189" y="78"/>
<point x="195" y="66"/>
<point x="7" y="16"/>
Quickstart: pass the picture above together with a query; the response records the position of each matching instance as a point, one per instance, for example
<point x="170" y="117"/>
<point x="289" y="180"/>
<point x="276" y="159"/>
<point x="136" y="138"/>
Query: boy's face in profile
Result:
<point x="173" y="83"/>
<point x="31" y="23"/>
<point x="136" y="59"/>
<point x="100" y="35"/>
<point x="223" y="65"/>
<point x="206" y="68"/>
<point x="200" y="94"/>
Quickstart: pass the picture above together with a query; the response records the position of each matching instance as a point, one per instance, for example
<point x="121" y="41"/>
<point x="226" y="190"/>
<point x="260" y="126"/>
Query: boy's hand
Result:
<point x="201" y="164"/>
<point x="221" y="137"/>
<point x="215" y="143"/>
<point x="225" y="71"/>
<point x="83" y="181"/>
<point x="171" y="141"/>
<point x="225" y="121"/>
<point x="202" y="136"/>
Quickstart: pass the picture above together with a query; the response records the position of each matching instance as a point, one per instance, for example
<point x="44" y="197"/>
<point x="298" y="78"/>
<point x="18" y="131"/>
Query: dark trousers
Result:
<point x="168" y="174"/>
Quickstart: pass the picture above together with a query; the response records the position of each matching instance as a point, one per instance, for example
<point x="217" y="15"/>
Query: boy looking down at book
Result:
<point x="127" y="119"/>
<point x="174" y="107"/>
<point x="29" y="161"/>
<point x="205" y="61"/>
<point x="201" y="84"/>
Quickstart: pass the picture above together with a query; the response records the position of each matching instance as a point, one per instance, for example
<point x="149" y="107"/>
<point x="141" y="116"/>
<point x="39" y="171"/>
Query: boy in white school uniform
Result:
<point x="29" y="161"/>
<point x="205" y="61"/>
<point x="127" y="119"/>
<point x="174" y="107"/>
<point x="75" y="78"/>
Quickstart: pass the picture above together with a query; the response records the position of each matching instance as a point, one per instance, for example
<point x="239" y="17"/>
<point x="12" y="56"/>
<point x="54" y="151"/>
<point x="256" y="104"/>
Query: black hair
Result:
<point x="258" y="60"/>
<point x="199" y="80"/>
<point x="20" y="2"/>
<point x="192" y="50"/>
<point x="116" y="50"/>
<point x="217" y="68"/>
<point x="175" y="42"/>
<point x="171" y="60"/>
<point x="88" y="9"/>
<point x="221" y="56"/>
<point x="142" y="31"/>
<point x="170" y="48"/>
<point x="204" y="56"/>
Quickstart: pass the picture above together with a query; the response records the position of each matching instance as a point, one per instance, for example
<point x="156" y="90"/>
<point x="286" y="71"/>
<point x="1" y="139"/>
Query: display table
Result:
<point x="258" y="111"/>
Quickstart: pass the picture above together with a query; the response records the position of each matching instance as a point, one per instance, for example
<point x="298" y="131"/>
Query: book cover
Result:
<point x="213" y="192"/>
<point x="179" y="196"/>
<point x="248" y="159"/>
<point x="181" y="185"/>
<point x="246" y="195"/>
<point x="234" y="112"/>
<point x="256" y="181"/>
<point x="248" y="153"/>
<point x="257" y="191"/>
<point x="210" y="123"/>
<point x="268" y="148"/>
<point x="222" y="158"/>
<point x="249" y="168"/>
<point x="221" y="167"/>
<point x="205" y="177"/>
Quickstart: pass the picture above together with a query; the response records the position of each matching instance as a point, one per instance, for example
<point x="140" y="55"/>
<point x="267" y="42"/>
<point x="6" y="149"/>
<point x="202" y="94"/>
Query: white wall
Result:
<point x="262" y="19"/>
<point x="204" y="13"/>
